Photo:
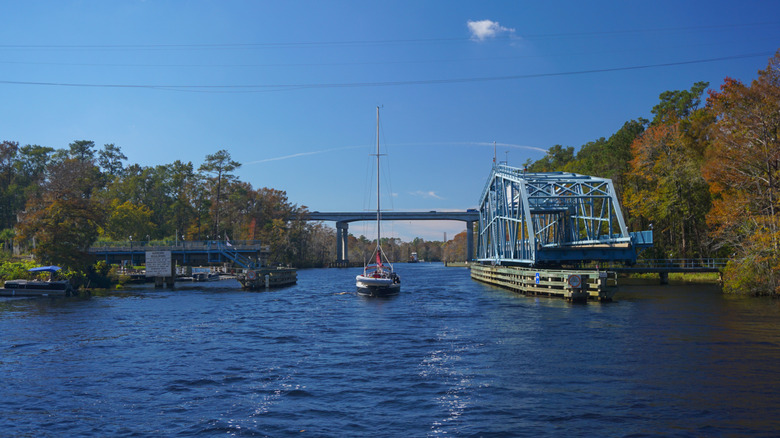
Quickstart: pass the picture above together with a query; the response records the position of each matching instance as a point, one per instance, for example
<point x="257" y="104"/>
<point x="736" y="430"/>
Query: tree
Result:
<point x="743" y="169"/>
<point x="82" y="150"/>
<point x="668" y="191"/>
<point x="8" y="190"/>
<point x="678" y="104"/>
<point x="110" y="159"/>
<point x="127" y="219"/>
<point x="557" y="157"/>
<point x="183" y="181"/>
<point x="219" y="166"/>
<point x="63" y="223"/>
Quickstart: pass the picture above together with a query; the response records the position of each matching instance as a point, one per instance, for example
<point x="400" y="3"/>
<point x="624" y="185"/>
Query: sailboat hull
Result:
<point x="370" y="286"/>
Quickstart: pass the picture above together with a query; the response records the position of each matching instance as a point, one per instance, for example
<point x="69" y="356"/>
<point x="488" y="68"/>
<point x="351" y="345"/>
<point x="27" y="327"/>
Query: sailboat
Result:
<point x="379" y="278"/>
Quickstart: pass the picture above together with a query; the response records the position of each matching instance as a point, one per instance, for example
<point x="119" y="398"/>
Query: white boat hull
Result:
<point x="377" y="286"/>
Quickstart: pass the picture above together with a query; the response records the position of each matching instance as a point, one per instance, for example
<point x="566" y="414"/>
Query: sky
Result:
<point x="291" y="88"/>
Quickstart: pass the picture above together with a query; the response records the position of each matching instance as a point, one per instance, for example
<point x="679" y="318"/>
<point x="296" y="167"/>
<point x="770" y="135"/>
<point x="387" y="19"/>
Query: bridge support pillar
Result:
<point x="664" y="277"/>
<point x="342" y="240"/>
<point x="469" y="241"/>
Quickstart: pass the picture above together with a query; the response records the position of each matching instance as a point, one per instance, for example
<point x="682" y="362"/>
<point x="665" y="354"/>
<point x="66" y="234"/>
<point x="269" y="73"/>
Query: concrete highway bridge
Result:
<point x="343" y="219"/>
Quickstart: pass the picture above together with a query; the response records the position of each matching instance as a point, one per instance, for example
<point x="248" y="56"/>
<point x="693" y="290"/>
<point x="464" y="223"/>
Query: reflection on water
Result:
<point x="446" y="356"/>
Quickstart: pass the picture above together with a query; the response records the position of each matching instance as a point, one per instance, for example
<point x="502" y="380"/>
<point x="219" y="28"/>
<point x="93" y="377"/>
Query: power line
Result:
<point x="348" y="63"/>
<point x="286" y="87"/>
<point x="294" y="44"/>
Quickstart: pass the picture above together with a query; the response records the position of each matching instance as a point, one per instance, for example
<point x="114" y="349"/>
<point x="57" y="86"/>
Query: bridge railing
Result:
<point x="712" y="263"/>
<point x="175" y="245"/>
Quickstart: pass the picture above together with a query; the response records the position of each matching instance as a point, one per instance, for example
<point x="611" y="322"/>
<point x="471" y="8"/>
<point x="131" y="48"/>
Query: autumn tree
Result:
<point x="63" y="222"/>
<point x="665" y="188"/>
<point x="743" y="169"/>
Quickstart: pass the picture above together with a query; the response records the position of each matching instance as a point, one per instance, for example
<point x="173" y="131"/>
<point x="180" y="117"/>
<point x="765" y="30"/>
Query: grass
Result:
<point x="684" y="277"/>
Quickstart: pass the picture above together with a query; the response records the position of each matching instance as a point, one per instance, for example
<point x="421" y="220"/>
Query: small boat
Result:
<point x="378" y="279"/>
<point x="38" y="288"/>
<point x="205" y="276"/>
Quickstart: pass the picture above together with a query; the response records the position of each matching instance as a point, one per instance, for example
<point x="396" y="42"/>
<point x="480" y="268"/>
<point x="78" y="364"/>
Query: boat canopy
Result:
<point x="51" y="269"/>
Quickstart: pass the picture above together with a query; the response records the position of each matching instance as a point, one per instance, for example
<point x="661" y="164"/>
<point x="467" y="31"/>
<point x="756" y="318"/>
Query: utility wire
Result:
<point x="253" y="88"/>
<point x="351" y="63"/>
<point x="216" y="46"/>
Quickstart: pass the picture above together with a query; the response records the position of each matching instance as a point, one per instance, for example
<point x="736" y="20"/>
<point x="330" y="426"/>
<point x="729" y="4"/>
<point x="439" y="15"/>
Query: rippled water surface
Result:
<point x="448" y="356"/>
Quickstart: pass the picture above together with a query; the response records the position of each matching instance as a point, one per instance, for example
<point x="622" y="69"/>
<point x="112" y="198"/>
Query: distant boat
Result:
<point x="378" y="279"/>
<point x="205" y="276"/>
<point x="35" y="288"/>
<point x="413" y="258"/>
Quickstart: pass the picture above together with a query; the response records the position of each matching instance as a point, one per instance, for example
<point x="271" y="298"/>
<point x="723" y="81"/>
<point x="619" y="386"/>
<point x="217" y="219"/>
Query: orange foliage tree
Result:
<point x="743" y="169"/>
<point x="665" y="186"/>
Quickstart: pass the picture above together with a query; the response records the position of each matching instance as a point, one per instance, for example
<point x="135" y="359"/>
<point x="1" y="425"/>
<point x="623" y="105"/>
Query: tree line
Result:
<point x="56" y="203"/>
<point x="704" y="174"/>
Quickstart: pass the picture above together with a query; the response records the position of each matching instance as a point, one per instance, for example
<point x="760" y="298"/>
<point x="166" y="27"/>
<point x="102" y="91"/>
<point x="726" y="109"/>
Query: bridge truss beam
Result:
<point x="552" y="218"/>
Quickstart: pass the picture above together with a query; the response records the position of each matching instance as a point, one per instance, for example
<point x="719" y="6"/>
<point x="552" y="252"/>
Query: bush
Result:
<point x="749" y="277"/>
<point x="16" y="271"/>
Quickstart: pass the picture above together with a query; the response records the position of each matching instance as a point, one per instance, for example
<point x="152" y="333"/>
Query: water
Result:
<point x="447" y="357"/>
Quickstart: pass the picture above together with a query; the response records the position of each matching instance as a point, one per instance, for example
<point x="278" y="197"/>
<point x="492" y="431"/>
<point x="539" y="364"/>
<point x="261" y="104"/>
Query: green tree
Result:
<point x="678" y="104"/>
<point x="556" y="158"/>
<point x="218" y="166"/>
<point x="110" y="159"/>
<point x="127" y="219"/>
<point x="9" y="191"/>
<point x="183" y="180"/>
<point x="82" y="150"/>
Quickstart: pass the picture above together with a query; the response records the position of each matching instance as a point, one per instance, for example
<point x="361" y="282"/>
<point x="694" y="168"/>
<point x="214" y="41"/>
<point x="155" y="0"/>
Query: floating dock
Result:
<point x="577" y="285"/>
<point x="266" y="278"/>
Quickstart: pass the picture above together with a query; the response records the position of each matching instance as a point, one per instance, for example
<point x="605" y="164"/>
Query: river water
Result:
<point x="447" y="357"/>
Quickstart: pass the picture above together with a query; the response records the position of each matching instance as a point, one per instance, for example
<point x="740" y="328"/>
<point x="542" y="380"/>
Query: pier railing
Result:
<point x="670" y="265"/>
<point x="682" y="263"/>
<point x="173" y="245"/>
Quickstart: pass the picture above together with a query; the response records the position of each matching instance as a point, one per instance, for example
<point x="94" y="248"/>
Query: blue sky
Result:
<point x="290" y="88"/>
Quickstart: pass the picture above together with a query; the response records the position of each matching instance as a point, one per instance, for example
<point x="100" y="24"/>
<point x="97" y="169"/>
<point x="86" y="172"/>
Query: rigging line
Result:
<point x="285" y="87"/>
<point x="368" y="42"/>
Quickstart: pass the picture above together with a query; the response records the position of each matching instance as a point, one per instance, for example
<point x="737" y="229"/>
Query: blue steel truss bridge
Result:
<point x="551" y="219"/>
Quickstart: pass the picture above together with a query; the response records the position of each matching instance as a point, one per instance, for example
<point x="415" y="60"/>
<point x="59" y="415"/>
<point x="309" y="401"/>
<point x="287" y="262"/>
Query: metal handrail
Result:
<point x="682" y="263"/>
<point x="186" y="244"/>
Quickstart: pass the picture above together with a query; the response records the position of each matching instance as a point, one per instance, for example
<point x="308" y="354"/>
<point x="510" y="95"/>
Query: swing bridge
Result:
<point x="554" y="218"/>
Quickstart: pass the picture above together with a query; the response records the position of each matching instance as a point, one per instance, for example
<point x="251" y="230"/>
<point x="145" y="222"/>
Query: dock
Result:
<point x="266" y="278"/>
<point x="573" y="285"/>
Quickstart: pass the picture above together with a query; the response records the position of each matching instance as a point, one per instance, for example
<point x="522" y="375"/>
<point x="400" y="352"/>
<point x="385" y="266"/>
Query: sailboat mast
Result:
<point x="378" y="214"/>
